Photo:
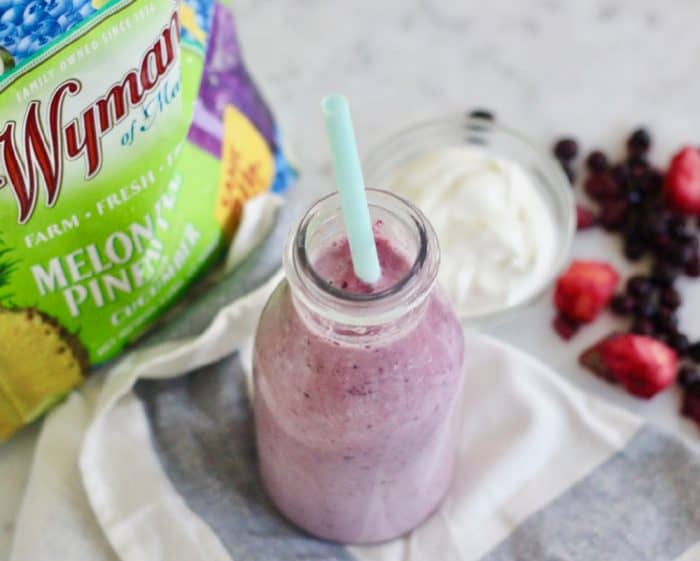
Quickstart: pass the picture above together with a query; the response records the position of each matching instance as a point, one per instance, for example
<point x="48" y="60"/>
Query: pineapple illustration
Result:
<point x="39" y="360"/>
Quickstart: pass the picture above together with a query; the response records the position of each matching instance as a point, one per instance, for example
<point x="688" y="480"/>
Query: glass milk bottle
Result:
<point x="357" y="387"/>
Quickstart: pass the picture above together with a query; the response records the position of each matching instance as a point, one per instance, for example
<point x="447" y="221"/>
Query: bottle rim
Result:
<point x="351" y="308"/>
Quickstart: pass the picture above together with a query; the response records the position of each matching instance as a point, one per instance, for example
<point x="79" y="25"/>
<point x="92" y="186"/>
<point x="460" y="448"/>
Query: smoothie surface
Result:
<point x="334" y="265"/>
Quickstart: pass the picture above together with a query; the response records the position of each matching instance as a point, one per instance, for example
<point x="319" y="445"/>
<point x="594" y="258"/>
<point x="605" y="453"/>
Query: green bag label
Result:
<point x="113" y="196"/>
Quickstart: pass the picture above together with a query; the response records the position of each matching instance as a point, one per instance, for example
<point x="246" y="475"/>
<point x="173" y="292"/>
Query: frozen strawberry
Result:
<point x="682" y="184"/>
<point x="585" y="289"/>
<point x="643" y="365"/>
<point x="584" y="218"/>
<point x="566" y="328"/>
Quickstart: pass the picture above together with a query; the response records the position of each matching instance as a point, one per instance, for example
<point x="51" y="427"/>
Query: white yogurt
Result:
<point x="496" y="232"/>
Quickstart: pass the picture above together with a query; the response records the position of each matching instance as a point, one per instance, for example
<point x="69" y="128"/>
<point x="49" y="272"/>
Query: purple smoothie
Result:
<point x="356" y="432"/>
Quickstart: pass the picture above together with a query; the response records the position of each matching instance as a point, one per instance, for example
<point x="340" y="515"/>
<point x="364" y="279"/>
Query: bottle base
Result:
<point x="359" y="537"/>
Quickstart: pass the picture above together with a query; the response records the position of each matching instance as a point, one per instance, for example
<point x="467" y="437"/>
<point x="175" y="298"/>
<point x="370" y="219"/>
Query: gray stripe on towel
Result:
<point x="203" y="433"/>
<point x="641" y="505"/>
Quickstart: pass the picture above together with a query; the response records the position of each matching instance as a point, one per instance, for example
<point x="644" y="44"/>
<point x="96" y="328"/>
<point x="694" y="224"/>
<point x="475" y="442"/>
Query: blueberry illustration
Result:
<point x="56" y="7"/>
<point x="32" y="13"/>
<point x="67" y="20"/>
<point x="62" y="21"/>
<point x="10" y="43"/>
<point x="86" y="10"/>
<point x="12" y="15"/>
<point x="7" y="29"/>
<point x="47" y="27"/>
<point x="38" y="42"/>
<point x="25" y="44"/>
<point x="26" y="29"/>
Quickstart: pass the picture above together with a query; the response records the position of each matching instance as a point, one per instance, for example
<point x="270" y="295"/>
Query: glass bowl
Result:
<point x="545" y="173"/>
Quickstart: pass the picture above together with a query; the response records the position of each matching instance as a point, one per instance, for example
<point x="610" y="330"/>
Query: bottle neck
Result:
<point x="350" y="313"/>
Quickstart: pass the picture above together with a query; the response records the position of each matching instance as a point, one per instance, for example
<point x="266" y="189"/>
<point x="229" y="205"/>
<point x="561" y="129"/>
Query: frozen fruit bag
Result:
<point x="130" y="136"/>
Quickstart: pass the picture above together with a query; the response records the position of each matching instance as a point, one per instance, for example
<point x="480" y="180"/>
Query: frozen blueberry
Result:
<point x="480" y="113"/>
<point x="664" y="274"/>
<point x="666" y="320"/>
<point x="637" y="166"/>
<point x="688" y="376"/>
<point x="657" y="223"/>
<point x="633" y="234"/>
<point x="623" y="304"/>
<point x="662" y="244"/>
<point x="691" y="403"/>
<point x="694" y="351"/>
<point x="565" y="149"/>
<point x="634" y="249"/>
<point x="639" y="286"/>
<point x="656" y="179"/>
<point x="634" y="197"/>
<point x="645" y="309"/>
<point x="597" y="161"/>
<point x="639" y="141"/>
<point x="692" y="268"/>
<point x="678" y="226"/>
<point x="693" y="242"/>
<point x="679" y="342"/>
<point x="680" y="254"/>
<point x="670" y="298"/>
<point x="651" y="182"/>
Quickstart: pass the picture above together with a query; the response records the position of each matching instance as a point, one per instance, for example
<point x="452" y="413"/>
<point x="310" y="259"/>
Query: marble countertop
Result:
<point x="594" y="69"/>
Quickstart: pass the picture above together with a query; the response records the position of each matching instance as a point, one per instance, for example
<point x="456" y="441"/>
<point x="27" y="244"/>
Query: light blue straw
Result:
<point x="351" y="186"/>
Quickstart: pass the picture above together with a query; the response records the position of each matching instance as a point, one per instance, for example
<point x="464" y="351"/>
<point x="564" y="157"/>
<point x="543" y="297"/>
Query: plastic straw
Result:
<point x="353" y="200"/>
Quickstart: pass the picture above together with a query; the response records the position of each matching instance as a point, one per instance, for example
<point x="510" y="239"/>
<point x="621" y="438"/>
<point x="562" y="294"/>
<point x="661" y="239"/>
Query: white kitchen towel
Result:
<point x="545" y="472"/>
<point x="89" y="487"/>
